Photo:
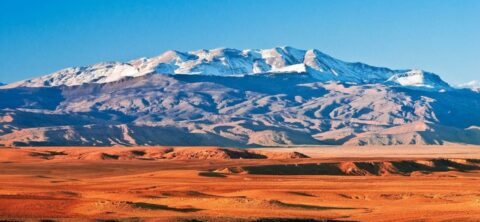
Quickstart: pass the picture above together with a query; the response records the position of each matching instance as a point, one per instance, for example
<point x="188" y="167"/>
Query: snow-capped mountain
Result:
<point x="234" y="62"/>
<point x="473" y="85"/>
<point x="229" y="97"/>
<point x="418" y="78"/>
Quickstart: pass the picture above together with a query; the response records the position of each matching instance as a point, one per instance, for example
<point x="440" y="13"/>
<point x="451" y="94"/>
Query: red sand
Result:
<point x="54" y="183"/>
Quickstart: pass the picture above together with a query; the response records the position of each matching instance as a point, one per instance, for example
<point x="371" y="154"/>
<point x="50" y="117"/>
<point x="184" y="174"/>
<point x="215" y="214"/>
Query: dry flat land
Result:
<point x="209" y="184"/>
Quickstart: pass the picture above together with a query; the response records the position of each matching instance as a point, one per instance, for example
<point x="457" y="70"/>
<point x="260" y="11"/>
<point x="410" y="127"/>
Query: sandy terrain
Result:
<point x="209" y="184"/>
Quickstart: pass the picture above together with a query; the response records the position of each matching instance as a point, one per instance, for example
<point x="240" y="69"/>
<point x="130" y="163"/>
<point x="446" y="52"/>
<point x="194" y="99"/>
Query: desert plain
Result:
<point x="396" y="183"/>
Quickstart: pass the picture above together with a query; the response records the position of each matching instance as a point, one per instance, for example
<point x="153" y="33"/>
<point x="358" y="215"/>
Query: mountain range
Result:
<point x="230" y="97"/>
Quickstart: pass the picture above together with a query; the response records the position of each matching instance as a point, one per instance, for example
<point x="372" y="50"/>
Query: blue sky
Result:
<point x="39" y="37"/>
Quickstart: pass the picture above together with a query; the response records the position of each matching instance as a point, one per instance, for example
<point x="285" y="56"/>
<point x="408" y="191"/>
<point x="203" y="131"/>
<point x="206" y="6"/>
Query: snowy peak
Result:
<point x="234" y="62"/>
<point x="474" y="85"/>
<point x="418" y="78"/>
<point x="227" y="61"/>
<point x="98" y="73"/>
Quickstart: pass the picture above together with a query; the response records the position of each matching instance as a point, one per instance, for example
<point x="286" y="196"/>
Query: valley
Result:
<point x="396" y="183"/>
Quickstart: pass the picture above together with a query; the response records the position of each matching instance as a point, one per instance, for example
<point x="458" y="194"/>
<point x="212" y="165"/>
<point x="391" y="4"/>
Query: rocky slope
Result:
<point x="288" y="101"/>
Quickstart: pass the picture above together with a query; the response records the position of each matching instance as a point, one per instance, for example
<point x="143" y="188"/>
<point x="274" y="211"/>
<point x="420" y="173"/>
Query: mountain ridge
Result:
<point x="234" y="62"/>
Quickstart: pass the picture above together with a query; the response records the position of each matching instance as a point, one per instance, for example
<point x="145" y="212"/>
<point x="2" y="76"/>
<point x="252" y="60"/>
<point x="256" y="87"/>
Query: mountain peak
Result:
<point x="474" y="85"/>
<point x="419" y="78"/>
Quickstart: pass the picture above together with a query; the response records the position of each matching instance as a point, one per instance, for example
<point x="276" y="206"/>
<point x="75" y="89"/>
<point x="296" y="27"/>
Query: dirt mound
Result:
<point x="188" y="193"/>
<point x="213" y="153"/>
<point x="144" y="153"/>
<point x="361" y="168"/>
<point x="223" y="153"/>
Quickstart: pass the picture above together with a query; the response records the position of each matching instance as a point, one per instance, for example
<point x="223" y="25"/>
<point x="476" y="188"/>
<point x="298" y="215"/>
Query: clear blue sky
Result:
<point x="39" y="37"/>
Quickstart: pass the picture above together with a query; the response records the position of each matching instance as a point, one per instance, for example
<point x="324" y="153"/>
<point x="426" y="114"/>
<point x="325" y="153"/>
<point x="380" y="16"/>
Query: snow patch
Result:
<point x="298" y="68"/>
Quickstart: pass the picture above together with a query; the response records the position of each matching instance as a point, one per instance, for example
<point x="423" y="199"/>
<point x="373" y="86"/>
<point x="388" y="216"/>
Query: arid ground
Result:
<point x="400" y="183"/>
